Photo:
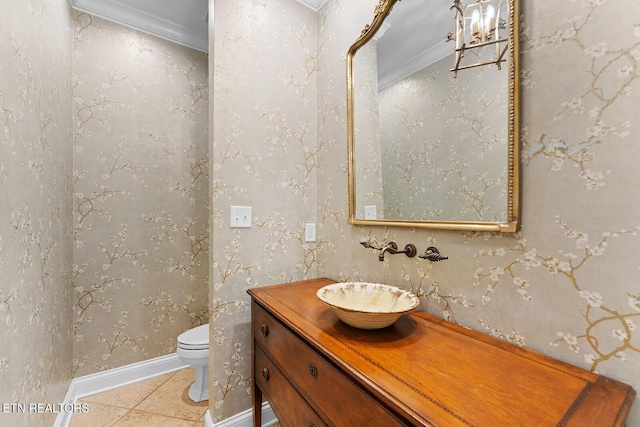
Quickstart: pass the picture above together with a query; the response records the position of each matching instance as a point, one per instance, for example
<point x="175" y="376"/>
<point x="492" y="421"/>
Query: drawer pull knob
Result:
<point x="265" y="329"/>
<point x="313" y="370"/>
<point x="265" y="374"/>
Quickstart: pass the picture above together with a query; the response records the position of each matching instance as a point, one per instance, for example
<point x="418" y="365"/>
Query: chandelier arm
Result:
<point x="479" y="64"/>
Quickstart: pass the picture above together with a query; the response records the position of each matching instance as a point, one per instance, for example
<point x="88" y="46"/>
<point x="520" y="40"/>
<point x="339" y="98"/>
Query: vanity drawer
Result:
<point x="284" y="399"/>
<point x="335" y="397"/>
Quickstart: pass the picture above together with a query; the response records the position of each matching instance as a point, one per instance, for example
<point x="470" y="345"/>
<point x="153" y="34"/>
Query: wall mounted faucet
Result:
<point x="392" y="248"/>
<point x="433" y="254"/>
<point x="409" y="250"/>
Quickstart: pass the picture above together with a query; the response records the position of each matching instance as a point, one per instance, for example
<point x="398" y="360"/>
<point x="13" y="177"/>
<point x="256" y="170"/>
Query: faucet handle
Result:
<point x="433" y="254"/>
<point x="367" y="244"/>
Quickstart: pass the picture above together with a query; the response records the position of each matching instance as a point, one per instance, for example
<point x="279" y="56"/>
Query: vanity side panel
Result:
<point x="256" y="392"/>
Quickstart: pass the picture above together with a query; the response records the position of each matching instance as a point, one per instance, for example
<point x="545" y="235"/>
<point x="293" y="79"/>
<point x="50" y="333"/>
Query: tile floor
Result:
<point x="161" y="401"/>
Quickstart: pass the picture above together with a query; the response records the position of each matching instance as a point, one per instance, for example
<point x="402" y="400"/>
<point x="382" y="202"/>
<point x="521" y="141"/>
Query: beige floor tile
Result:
<point x="130" y="395"/>
<point x="185" y="376"/>
<point x="171" y="398"/>
<point x="98" y="415"/>
<point x="144" y="419"/>
<point x="160" y="401"/>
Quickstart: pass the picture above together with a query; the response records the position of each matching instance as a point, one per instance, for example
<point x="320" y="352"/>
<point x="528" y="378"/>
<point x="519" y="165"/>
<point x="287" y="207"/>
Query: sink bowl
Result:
<point x="367" y="305"/>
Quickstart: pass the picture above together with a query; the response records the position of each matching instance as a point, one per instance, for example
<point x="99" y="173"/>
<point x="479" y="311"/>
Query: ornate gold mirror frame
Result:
<point x="512" y="224"/>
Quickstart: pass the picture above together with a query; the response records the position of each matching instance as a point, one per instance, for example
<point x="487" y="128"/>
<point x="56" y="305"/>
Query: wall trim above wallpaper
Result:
<point x="117" y="377"/>
<point x="188" y="28"/>
<point x="313" y="4"/>
<point x="186" y="23"/>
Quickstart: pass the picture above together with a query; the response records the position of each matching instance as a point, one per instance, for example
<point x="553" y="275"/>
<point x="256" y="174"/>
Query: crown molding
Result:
<point x="424" y="59"/>
<point x="183" y="33"/>
<point x="315" y="5"/>
<point x="122" y="13"/>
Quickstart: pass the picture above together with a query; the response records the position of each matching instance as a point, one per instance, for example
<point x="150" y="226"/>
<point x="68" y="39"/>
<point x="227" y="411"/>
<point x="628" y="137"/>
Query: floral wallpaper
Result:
<point x="104" y="179"/>
<point x="444" y="140"/>
<point x="35" y="208"/>
<point x="141" y="186"/>
<point x="430" y="136"/>
<point x="265" y="154"/>
<point x="368" y="132"/>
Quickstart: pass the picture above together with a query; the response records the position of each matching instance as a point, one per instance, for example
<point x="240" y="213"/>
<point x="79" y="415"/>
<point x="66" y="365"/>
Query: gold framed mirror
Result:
<point x="433" y="129"/>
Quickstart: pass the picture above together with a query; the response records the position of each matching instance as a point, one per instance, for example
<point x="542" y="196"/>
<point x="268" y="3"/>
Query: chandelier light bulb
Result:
<point x="489" y="22"/>
<point x="476" y="37"/>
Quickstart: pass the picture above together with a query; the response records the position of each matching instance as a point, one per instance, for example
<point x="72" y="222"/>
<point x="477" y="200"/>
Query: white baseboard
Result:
<point x="244" y="419"/>
<point x="117" y="377"/>
<point x="124" y="375"/>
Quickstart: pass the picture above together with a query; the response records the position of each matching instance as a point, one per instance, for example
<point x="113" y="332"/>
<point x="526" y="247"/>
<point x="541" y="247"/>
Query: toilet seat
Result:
<point x="195" y="339"/>
<point x="193" y="347"/>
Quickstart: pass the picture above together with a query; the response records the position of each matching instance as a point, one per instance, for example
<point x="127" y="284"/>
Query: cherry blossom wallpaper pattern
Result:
<point x="135" y="185"/>
<point x="35" y="207"/>
<point x="444" y="139"/>
<point x="430" y="136"/>
<point x="265" y="155"/>
<point x="140" y="183"/>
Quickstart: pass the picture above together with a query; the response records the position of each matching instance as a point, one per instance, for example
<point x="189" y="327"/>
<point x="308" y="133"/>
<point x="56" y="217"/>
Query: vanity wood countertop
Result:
<point x="422" y="371"/>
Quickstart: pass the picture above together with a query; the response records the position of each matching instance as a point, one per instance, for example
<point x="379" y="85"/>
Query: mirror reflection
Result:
<point x="430" y="145"/>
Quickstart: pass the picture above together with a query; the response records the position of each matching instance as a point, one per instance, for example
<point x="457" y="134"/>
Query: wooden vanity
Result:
<point x="422" y="371"/>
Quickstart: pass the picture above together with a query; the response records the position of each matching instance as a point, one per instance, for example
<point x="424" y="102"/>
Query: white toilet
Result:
<point x="193" y="349"/>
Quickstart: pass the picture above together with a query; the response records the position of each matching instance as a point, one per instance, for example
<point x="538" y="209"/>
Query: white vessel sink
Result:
<point x="367" y="305"/>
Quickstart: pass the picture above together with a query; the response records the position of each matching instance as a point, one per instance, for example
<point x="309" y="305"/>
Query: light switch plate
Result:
<point x="310" y="232"/>
<point x="240" y="217"/>
<point x="370" y="212"/>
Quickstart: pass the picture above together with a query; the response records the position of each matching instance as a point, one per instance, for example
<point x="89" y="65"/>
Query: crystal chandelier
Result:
<point x="478" y="24"/>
